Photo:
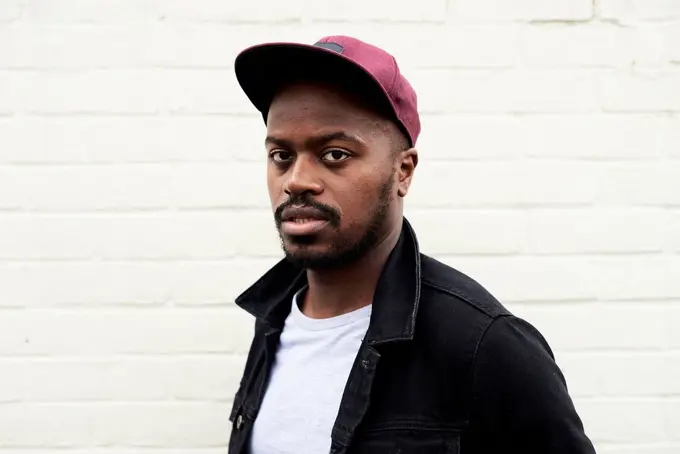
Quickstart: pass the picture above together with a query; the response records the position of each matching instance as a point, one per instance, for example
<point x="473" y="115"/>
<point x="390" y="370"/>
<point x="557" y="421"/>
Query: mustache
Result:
<point x="331" y="214"/>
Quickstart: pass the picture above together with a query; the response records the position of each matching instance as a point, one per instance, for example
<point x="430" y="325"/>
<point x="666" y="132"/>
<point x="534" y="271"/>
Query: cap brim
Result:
<point x="263" y="69"/>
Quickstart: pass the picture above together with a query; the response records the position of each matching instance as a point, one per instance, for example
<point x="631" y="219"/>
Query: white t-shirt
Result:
<point x="307" y="381"/>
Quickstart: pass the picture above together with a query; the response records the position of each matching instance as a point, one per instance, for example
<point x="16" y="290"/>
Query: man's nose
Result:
<point x="303" y="177"/>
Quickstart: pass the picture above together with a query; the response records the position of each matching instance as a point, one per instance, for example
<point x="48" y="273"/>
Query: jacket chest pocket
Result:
<point x="408" y="442"/>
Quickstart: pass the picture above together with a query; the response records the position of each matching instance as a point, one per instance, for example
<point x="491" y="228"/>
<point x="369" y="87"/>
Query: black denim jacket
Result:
<point x="444" y="368"/>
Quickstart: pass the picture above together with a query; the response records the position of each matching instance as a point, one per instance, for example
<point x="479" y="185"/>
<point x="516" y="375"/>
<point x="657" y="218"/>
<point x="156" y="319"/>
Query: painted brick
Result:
<point x="137" y="92"/>
<point x="380" y="10"/>
<point x="168" y="424"/>
<point x="600" y="374"/>
<point x="503" y="184"/>
<point x="452" y="137"/>
<point x="629" y="326"/>
<point x="130" y="187"/>
<point x="671" y="373"/>
<point x="639" y="448"/>
<point x="11" y="10"/>
<point x="596" y="231"/>
<point x="439" y="45"/>
<point x="123" y="331"/>
<point x="208" y="377"/>
<point x="204" y="235"/>
<point x="637" y="278"/>
<point x="82" y="283"/>
<point x="69" y="46"/>
<point x="618" y="421"/>
<point x="14" y="87"/>
<point x="128" y="283"/>
<point x="597" y="136"/>
<point x="635" y="10"/>
<point x="134" y="209"/>
<point x="85" y="188"/>
<point x="520" y="91"/>
<point x="224" y="185"/>
<point x="523" y="91"/>
<point x="673" y="239"/>
<point x="672" y="413"/>
<point x="641" y="92"/>
<point x="671" y="38"/>
<point x="443" y="232"/>
<point x="218" y="11"/>
<point x="673" y="137"/>
<point x="199" y="283"/>
<point x="119" y="450"/>
<point x="107" y="139"/>
<point x="648" y="183"/>
<point x="527" y="279"/>
<point x="77" y="11"/>
<point x="465" y="46"/>
<point x="165" y="44"/>
<point x="187" y="44"/>
<point x="651" y="47"/>
<point x="530" y="10"/>
<point x="672" y="320"/>
<point x="550" y="46"/>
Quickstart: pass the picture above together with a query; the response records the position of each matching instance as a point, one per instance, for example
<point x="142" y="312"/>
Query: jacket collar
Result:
<point x="395" y="302"/>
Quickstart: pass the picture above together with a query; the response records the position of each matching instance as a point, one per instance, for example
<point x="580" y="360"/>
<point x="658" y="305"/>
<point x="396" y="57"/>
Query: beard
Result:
<point x="342" y="251"/>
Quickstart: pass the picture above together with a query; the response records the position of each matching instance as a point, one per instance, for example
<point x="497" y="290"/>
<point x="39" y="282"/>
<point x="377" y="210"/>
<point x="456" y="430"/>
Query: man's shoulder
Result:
<point x="455" y="314"/>
<point x="446" y="288"/>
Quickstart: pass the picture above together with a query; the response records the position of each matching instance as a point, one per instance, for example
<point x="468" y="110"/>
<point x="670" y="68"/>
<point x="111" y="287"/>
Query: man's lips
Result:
<point x="302" y="221"/>
<point x="302" y="226"/>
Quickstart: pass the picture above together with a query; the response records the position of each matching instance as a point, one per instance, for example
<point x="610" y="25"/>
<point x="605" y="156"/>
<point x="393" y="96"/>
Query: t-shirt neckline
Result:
<point x="318" y="324"/>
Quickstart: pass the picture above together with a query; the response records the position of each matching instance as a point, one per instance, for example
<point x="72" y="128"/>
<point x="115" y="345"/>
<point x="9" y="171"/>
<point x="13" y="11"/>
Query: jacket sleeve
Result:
<point x="520" y="401"/>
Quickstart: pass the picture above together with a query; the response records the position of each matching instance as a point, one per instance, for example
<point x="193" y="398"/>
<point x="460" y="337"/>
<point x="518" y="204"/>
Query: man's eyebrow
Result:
<point x="278" y="142"/>
<point x="317" y="141"/>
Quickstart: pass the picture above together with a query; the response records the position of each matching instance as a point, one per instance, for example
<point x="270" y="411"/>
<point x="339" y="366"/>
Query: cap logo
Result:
<point x="331" y="46"/>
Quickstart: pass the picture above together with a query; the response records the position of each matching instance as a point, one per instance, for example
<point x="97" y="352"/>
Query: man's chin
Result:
<point x="320" y="253"/>
<point x="302" y="252"/>
<point x="311" y="262"/>
<point x="311" y="256"/>
<point x="304" y="242"/>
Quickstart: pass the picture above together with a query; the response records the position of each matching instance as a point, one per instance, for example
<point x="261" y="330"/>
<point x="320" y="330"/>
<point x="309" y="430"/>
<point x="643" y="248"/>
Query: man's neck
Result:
<point x="335" y="292"/>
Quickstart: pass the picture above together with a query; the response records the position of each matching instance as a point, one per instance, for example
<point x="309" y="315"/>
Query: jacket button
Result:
<point x="239" y="422"/>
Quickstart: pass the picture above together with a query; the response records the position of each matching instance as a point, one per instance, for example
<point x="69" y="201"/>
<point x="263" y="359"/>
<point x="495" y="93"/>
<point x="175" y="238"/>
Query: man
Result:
<point x="362" y="344"/>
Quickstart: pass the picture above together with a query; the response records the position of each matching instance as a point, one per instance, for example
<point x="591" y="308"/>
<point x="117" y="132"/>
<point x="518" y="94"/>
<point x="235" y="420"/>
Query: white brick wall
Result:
<point x="133" y="206"/>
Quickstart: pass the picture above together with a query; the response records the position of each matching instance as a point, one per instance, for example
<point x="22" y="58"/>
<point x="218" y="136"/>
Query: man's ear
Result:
<point x="406" y="166"/>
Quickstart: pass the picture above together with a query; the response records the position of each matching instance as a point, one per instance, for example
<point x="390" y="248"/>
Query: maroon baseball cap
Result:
<point x="368" y="70"/>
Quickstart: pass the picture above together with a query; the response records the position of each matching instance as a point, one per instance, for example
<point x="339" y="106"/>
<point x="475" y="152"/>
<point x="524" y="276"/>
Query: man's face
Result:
<point x="330" y="174"/>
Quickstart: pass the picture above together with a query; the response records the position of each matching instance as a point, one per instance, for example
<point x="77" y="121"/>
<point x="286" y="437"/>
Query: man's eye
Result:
<point x="335" y="155"/>
<point x="281" y="156"/>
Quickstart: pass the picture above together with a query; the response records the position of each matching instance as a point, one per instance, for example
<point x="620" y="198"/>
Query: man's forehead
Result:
<point x="318" y="108"/>
<point x="313" y="138"/>
<point x="320" y="117"/>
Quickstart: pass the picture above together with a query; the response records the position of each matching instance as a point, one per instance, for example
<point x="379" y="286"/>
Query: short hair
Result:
<point x="389" y="128"/>
<point x="399" y="141"/>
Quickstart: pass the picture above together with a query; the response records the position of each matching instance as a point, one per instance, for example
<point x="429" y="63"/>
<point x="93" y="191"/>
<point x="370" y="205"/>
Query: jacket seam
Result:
<point x="410" y="424"/>
<point x="419" y="280"/>
<point x="474" y="363"/>
<point x="465" y="297"/>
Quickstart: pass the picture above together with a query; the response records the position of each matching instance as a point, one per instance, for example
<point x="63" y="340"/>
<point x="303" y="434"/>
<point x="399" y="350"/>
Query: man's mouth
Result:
<point x="302" y="226"/>
<point x="302" y="220"/>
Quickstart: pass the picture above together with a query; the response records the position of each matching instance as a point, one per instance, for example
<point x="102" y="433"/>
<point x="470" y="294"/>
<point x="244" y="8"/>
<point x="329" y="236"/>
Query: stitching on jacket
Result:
<point x="476" y="303"/>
